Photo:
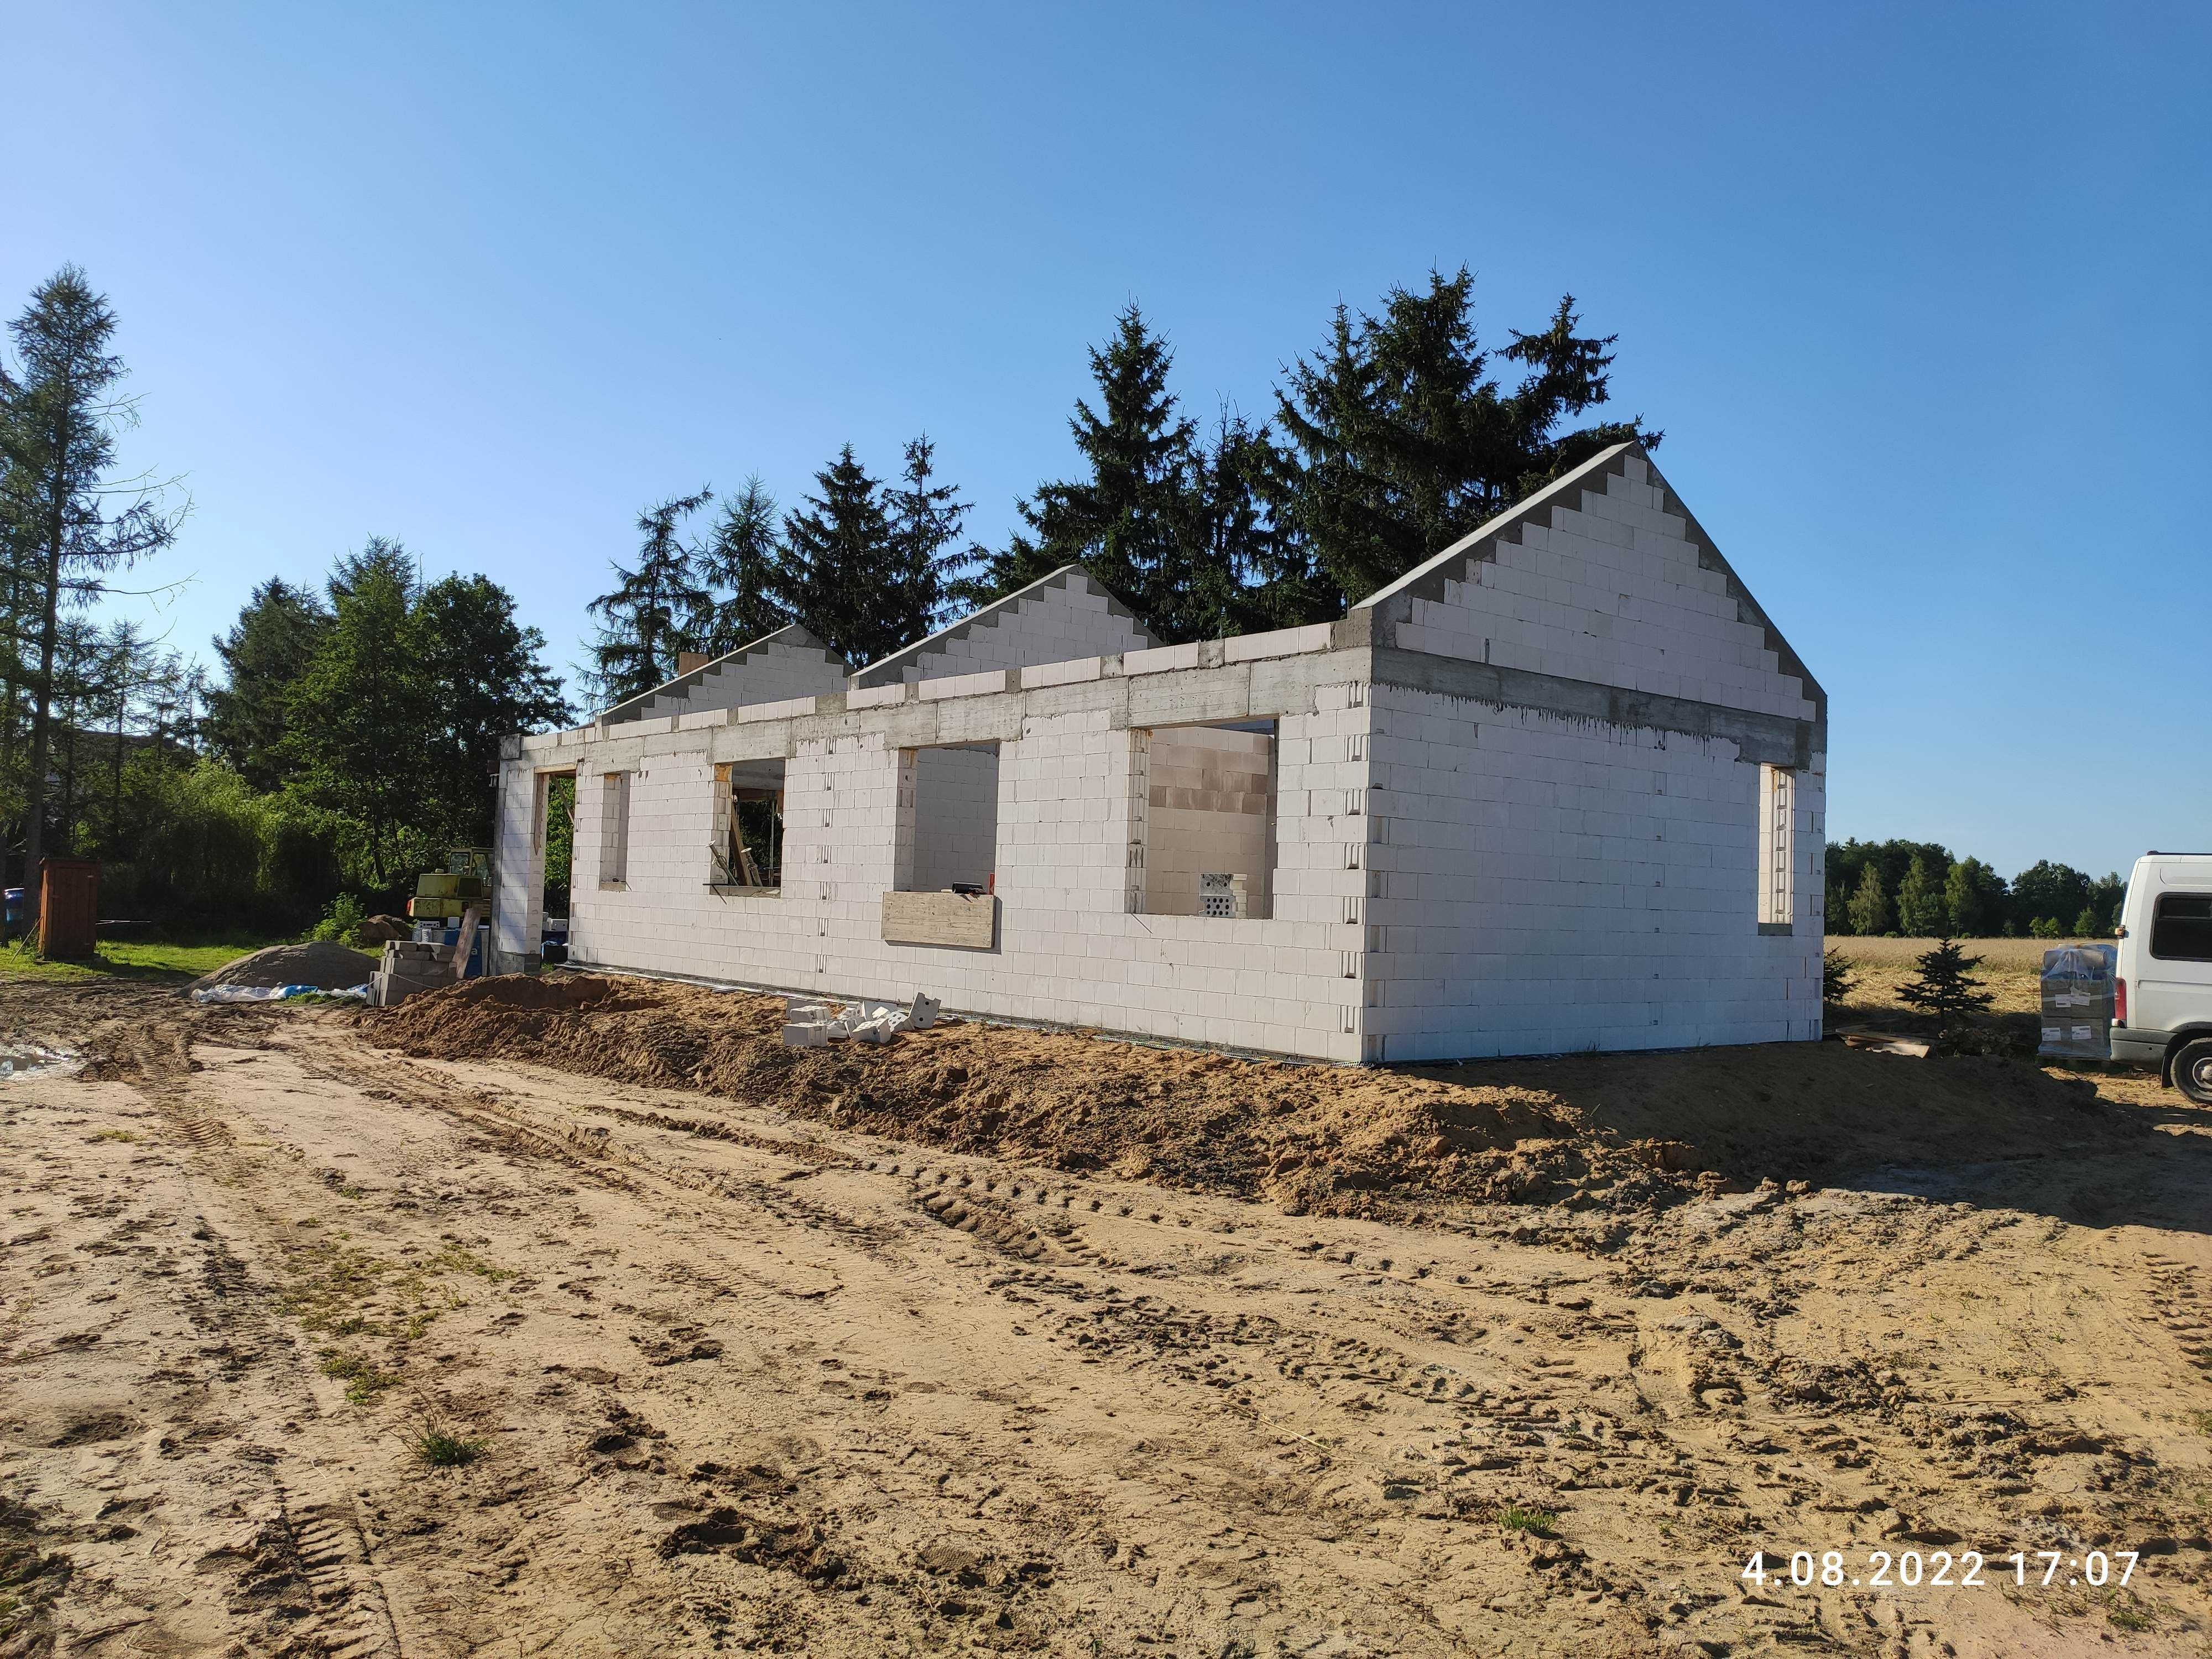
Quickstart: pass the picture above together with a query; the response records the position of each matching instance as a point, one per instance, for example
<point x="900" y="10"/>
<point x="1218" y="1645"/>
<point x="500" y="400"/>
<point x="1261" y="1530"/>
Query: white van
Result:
<point x="2162" y="991"/>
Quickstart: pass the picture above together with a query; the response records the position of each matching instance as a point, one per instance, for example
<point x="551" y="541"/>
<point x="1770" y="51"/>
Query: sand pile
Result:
<point x="1626" y="1130"/>
<point x="325" y="967"/>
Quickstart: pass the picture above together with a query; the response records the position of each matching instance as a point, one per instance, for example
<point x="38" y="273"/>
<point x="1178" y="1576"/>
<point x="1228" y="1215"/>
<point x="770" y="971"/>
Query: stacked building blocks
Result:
<point x="409" y="966"/>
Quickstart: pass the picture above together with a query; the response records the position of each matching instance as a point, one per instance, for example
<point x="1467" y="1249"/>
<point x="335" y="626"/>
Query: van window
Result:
<point x="2181" y="927"/>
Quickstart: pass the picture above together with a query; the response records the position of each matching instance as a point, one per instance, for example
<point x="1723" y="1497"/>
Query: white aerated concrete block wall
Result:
<point x="519" y="857"/>
<point x="1541" y="884"/>
<point x="1208" y="811"/>
<point x="1068" y="949"/>
<point x="956" y="817"/>
<point x="1057" y="624"/>
<point x="1613" y="593"/>
<point x="767" y="673"/>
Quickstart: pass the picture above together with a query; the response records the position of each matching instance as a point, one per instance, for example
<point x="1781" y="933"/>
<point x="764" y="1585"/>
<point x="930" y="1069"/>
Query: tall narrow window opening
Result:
<point x="614" y="828"/>
<point x="1777" y="846"/>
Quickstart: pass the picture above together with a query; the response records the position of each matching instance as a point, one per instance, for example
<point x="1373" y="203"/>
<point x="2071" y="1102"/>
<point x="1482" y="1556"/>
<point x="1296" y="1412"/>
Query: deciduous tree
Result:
<point x="1920" y="903"/>
<point x="1870" y="911"/>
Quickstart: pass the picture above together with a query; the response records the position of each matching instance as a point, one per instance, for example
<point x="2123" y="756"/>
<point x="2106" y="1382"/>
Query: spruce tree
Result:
<point x="1870" y="912"/>
<point x="646" y="619"/>
<point x="1919" y="903"/>
<point x="1945" y="987"/>
<point x="839" y="557"/>
<point x="925" y="517"/>
<point x="1399" y="440"/>
<point x="1136" y="522"/>
<point x="1836" y="977"/>
<point x="737" y="573"/>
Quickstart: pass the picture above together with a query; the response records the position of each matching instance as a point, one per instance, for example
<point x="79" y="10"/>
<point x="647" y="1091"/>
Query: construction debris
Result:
<point x="810" y="1023"/>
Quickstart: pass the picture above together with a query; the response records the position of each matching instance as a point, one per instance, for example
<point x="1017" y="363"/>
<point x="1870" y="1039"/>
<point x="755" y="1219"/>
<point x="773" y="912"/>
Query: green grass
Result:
<point x="442" y="1448"/>
<point x="161" y="963"/>
<point x="1514" y="1518"/>
<point x="363" y="1380"/>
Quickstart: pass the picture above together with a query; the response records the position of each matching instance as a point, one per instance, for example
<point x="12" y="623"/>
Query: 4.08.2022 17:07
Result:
<point x="1941" y="1570"/>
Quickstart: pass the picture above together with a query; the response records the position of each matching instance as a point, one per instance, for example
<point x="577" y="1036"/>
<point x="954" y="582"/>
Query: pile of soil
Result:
<point x="325" y="967"/>
<point x="1631" y="1130"/>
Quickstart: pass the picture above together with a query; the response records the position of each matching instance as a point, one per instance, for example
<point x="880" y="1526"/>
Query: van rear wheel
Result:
<point x="2192" y="1071"/>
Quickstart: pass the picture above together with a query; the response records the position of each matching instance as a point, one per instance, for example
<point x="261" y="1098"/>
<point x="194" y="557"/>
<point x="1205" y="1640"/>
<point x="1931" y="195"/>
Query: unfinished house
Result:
<point x="1558" y="789"/>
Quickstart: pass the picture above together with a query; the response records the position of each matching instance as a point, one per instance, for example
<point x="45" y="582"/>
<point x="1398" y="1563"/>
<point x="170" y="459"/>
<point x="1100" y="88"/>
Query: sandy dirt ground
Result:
<point x="1087" y="1349"/>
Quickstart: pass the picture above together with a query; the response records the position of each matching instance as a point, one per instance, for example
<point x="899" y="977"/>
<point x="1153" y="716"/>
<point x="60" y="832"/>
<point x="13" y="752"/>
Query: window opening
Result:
<point x="948" y="819"/>
<point x="1202" y="831"/>
<point x="746" y="853"/>
<point x="1777" y="847"/>
<point x="614" y="828"/>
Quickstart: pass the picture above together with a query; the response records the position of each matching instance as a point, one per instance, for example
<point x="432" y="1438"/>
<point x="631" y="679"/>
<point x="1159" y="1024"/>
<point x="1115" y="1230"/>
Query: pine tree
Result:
<point x="839" y="553"/>
<point x="1919" y="903"/>
<point x="1945" y="987"/>
<point x="1400" y="442"/>
<point x="737" y="571"/>
<point x="647" y="617"/>
<point x="59" y="413"/>
<point x="1870" y="912"/>
<point x="273" y="639"/>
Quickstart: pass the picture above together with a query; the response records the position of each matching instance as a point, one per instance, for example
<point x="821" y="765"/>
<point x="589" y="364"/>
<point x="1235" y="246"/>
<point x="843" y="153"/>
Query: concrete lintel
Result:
<point x="1182" y="696"/>
<point x="1285" y="685"/>
<point x="754" y="740"/>
<point x="1775" y="740"/>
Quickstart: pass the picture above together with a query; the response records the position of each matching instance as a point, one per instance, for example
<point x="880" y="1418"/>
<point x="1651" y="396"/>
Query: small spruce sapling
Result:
<point x="1946" y="986"/>
<point x="1835" y="977"/>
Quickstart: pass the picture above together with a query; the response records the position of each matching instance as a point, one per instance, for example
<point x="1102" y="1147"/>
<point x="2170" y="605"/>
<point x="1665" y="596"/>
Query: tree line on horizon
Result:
<point x="1918" y="889"/>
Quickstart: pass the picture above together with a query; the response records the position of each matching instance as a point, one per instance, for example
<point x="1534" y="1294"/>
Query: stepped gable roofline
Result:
<point x="886" y="671"/>
<point x="1426" y="580"/>
<point x="793" y="637"/>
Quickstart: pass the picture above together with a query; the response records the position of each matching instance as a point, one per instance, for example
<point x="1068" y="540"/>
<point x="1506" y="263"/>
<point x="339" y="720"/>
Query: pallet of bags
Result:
<point x="2077" y="983"/>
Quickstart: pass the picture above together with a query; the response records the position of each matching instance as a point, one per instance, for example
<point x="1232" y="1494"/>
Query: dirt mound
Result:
<point x="326" y="967"/>
<point x="383" y="930"/>
<point x="1627" y="1130"/>
<point x="564" y="994"/>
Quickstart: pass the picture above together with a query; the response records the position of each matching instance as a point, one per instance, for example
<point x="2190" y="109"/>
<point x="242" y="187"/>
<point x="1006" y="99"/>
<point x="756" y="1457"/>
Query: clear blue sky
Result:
<point x="1917" y="294"/>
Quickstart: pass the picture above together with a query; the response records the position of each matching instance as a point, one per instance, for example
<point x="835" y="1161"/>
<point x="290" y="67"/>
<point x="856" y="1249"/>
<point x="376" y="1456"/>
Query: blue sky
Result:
<point x="1917" y="294"/>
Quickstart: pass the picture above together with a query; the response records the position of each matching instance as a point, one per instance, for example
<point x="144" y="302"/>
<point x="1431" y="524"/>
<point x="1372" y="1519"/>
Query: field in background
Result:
<point x="2009" y="972"/>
